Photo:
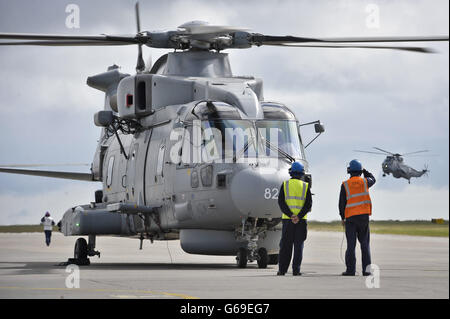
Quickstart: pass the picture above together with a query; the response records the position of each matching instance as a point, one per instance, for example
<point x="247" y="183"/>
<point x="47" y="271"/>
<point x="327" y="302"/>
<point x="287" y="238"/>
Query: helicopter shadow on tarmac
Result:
<point x="17" y="268"/>
<point x="32" y="268"/>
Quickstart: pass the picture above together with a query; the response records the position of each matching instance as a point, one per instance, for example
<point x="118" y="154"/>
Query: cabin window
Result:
<point x="160" y="163"/>
<point x="194" y="179"/>
<point x="206" y="174"/>
<point x="221" y="180"/>
<point x="109" y="175"/>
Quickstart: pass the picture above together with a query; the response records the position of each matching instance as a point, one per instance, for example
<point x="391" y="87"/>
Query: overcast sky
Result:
<point x="395" y="100"/>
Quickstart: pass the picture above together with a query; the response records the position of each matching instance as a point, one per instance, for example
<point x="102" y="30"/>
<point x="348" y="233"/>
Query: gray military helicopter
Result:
<point x="188" y="150"/>
<point x="393" y="164"/>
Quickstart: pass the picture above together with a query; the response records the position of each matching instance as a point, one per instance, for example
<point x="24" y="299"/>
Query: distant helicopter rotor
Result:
<point x="377" y="148"/>
<point x="423" y="151"/>
<point x="377" y="153"/>
<point x="384" y="152"/>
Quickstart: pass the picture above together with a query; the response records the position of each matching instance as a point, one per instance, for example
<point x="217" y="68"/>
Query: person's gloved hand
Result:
<point x="366" y="173"/>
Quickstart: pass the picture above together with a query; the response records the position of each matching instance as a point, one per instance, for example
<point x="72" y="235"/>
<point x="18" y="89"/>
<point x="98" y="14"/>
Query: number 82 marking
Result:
<point x="271" y="193"/>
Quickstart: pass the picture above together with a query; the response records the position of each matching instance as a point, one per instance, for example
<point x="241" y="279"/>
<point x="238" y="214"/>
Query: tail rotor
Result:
<point x="426" y="171"/>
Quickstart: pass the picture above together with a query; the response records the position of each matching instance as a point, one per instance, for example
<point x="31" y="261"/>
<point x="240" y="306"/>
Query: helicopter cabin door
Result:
<point x="154" y="172"/>
<point x="132" y="181"/>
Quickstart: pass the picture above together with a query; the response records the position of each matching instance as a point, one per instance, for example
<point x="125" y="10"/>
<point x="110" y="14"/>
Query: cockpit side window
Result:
<point x="214" y="111"/>
<point x="276" y="111"/>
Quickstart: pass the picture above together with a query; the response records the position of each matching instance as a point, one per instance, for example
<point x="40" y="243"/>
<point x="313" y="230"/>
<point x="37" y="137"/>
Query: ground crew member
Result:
<point x="48" y="223"/>
<point x="355" y="207"/>
<point x="295" y="202"/>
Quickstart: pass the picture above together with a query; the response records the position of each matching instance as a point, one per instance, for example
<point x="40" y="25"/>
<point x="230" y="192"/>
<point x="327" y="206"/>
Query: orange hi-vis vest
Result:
<point x="358" y="198"/>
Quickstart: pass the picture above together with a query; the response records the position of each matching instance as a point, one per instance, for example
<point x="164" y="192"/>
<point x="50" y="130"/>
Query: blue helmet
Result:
<point x="354" y="166"/>
<point x="297" y="168"/>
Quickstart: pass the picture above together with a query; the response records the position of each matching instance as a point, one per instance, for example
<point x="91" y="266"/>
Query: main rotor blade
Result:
<point x="269" y="39"/>
<point x="384" y="154"/>
<point x="67" y="43"/>
<point x="424" y="151"/>
<point x="138" y="20"/>
<point x="140" y="64"/>
<point x="383" y="151"/>
<point x="343" y="46"/>
<point x="44" y="165"/>
<point x="56" y="37"/>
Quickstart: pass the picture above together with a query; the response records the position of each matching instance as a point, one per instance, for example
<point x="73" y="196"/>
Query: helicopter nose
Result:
<point x="255" y="192"/>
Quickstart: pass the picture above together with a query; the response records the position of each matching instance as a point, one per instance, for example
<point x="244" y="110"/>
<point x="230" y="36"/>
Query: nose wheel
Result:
<point x="244" y="256"/>
<point x="262" y="258"/>
<point x="248" y="236"/>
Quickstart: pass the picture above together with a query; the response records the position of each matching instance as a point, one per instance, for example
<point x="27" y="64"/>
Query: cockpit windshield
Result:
<point x="282" y="134"/>
<point x="224" y="139"/>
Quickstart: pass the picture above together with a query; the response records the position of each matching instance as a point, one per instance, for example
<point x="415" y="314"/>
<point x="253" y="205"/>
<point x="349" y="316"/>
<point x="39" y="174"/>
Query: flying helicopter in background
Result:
<point x="393" y="164"/>
<point x="152" y="185"/>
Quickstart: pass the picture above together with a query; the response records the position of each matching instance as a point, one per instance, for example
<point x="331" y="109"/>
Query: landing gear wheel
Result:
<point x="81" y="249"/>
<point x="263" y="258"/>
<point x="273" y="259"/>
<point x="241" y="258"/>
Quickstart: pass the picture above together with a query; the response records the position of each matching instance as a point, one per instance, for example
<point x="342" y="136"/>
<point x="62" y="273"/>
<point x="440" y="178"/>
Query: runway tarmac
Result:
<point x="410" y="267"/>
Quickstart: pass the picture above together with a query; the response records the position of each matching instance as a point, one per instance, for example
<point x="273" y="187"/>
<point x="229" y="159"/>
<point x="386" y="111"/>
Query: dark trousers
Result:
<point x="357" y="227"/>
<point x="292" y="235"/>
<point x="48" y="236"/>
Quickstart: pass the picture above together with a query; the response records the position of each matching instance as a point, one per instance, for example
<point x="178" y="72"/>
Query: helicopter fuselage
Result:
<point x="153" y="184"/>
<point x="394" y="165"/>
